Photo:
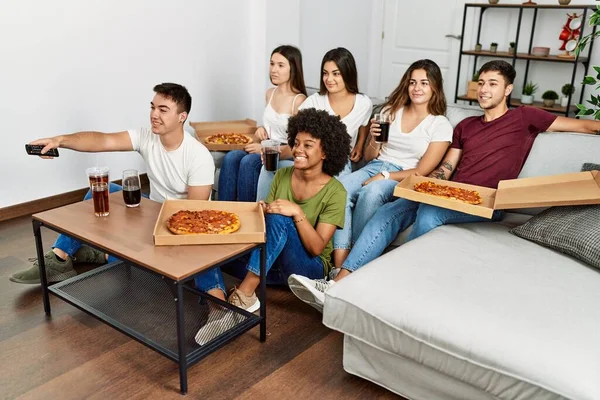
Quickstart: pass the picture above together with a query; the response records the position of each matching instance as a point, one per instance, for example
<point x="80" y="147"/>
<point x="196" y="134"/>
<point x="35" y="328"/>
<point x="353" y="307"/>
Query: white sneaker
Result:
<point x="310" y="291"/>
<point x="219" y="321"/>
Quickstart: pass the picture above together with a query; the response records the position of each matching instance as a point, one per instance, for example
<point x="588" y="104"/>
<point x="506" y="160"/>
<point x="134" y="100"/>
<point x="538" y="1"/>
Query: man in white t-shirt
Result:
<point x="179" y="167"/>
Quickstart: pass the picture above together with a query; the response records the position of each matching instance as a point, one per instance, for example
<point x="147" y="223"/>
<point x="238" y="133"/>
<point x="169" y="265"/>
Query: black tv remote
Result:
<point x="36" y="150"/>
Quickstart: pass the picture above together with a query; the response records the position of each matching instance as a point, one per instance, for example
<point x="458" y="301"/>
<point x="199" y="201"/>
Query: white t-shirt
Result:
<point x="171" y="172"/>
<point x="359" y="116"/>
<point x="406" y="149"/>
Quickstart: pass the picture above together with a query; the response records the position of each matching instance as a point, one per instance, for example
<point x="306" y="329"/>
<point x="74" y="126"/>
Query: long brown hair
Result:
<point x="399" y="97"/>
<point x="294" y="57"/>
<point x="347" y="66"/>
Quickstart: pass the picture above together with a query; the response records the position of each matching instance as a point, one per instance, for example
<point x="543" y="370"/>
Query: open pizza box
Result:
<point x="205" y="129"/>
<point x="578" y="188"/>
<point x="252" y="229"/>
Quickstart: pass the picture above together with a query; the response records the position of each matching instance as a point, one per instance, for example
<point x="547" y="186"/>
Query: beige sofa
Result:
<point x="473" y="312"/>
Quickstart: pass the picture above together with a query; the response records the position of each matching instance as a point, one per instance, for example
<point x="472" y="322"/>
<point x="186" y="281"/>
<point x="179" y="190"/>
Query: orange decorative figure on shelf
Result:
<point x="570" y="35"/>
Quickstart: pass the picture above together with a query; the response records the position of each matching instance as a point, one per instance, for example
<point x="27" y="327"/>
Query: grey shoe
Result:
<point x="310" y="291"/>
<point x="87" y="254"/>
<point x="333" y="273"/>
<point x="56" y="271"/>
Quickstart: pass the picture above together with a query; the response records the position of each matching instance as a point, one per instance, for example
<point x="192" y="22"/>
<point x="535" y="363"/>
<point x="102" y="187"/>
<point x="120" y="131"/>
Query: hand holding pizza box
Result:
<point x="558" y="190"/>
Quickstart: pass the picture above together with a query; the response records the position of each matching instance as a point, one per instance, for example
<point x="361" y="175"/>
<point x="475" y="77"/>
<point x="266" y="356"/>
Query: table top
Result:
<point x="127" y="234"/>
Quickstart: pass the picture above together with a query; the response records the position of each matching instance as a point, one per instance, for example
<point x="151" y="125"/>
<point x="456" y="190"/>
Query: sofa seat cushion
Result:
<point x="510" y="220"/>
<point x="481" y="305"/>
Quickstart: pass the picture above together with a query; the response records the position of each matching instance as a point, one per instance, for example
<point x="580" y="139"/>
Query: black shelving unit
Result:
<point x="528" y="57"/>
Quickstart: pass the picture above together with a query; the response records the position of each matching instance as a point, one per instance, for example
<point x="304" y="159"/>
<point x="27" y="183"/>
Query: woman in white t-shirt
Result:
<point x="240" y="170"/>
<point x="419" y="136"/>
<point x="338" y="95"/>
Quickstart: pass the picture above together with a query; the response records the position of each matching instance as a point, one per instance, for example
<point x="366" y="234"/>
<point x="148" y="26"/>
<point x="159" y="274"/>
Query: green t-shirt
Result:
<point x="326" y="206"/>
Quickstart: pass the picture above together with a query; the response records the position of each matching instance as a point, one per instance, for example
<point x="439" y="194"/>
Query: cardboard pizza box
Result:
<point x="205" y="129"/>
<point x="252" y="229"/>
<point x="578" y="188"/>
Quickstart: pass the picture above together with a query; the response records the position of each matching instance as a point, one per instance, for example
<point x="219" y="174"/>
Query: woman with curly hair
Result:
<point x="419" y="136"/>
<point x="238" y="178"/>
<point x="338" y="95"/>
<point x="303" y="209"/>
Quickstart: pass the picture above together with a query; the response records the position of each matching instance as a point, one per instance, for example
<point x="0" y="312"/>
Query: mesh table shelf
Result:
<point x="148" y="296"/>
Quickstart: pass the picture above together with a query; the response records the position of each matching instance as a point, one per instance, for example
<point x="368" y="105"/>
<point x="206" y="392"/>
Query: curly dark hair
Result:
<point x="335" y="140"/>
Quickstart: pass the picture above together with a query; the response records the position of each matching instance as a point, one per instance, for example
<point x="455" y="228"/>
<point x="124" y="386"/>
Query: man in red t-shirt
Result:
<point x="484" y="151"/>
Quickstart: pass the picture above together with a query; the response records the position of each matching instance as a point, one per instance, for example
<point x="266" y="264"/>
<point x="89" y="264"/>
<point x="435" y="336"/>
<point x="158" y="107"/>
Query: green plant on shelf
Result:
<point x="475" y="77"/>
<point x="512" y="44"/>
<point x="530" y="88"/>
<point x="590" y="80"/>
<point x="567" y="89"/>
<point x="550" y="95"/>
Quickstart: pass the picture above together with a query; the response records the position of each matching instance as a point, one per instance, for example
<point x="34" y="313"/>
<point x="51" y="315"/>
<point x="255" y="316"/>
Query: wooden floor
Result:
<point x="73" y="356"/>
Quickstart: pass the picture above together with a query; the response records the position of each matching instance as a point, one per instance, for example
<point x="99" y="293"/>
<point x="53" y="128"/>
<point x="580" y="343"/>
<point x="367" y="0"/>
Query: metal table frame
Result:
<point x="177" y="287"/>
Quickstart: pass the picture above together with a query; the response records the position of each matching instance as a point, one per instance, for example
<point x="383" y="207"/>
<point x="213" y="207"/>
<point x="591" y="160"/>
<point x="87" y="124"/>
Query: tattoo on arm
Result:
<point x="439" y="174"/>
<point x="448" y="166"/>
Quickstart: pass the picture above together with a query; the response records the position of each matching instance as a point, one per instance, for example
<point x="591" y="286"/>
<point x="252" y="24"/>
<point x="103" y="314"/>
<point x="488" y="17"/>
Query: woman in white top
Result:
<point x="240" y="170"/>
<point x="419" y="136"/>
<point x="338" y="95"/>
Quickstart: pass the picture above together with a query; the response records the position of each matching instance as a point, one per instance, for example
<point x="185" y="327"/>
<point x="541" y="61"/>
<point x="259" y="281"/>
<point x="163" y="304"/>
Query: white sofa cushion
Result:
<point x="485" y="307"/>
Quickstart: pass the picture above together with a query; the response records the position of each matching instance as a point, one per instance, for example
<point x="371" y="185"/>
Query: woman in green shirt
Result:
<point x="304" y="208"/>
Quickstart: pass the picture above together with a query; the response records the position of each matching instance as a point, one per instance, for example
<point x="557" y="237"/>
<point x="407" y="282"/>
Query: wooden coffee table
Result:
<point x="148" y="295"/>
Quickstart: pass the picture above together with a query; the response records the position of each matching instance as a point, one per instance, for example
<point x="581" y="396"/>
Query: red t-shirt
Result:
<point x="497" y="150"/>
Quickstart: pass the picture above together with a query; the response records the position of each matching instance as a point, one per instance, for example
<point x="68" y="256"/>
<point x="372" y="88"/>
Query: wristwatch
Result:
<point x="386" y="174"/>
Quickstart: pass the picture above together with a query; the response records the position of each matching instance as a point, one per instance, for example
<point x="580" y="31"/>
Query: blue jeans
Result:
<point x="396" y="216"/>
<point x="239" y="176"/>
<point x="70" y="245"/>
<point x="266" y="177"/>
<point x="286" y="255"/>
<point x="364" y="200"/>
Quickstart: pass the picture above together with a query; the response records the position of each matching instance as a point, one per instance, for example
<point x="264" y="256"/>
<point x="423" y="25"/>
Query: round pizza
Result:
<point x="228" y="138"/>
<point x="203" y="222"/>
<point x="449" y="192"/>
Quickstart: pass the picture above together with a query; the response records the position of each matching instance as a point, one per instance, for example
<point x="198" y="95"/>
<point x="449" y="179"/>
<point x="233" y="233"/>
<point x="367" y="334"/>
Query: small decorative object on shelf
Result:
<point x="528" y="90"/>
<point x="529" y="3"/>
<point x="511" y="48"/>
<point x="478" y="47"/>
<point x="570" y="35"/>
<point x="564" y="2"/>
<point x="472" y="86"/>
<point x="493" y="47"/>
<point x="493" y="1"/>
<point x="549" y="97"/>
<point x="567" y="90"/>
<point x="540" y="51"/>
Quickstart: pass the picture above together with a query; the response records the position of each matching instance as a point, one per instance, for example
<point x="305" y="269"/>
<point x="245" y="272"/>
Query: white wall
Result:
<point x="70" y="65"/>
<point x="316" y="26"/>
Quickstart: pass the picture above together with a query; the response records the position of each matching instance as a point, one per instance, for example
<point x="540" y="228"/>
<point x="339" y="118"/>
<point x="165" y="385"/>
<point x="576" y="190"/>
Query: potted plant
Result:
<point x="493" y="47"/>
<point x="472" y="86"/>
<point x="511" y="48"/>
<point x="478" y="47"/>
<point x="567" y="90"/>
<point x="528" y="90"/>
<point x="549" y="97"/>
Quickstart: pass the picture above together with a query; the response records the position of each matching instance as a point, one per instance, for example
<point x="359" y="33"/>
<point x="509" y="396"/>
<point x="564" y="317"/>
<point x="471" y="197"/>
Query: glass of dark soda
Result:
<point x="384" y="120"/>
<point x="270" y="150"/>
<point x="132" y="189"/>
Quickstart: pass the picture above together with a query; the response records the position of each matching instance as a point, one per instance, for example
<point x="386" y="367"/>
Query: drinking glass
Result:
<point x="132" y="189"/>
